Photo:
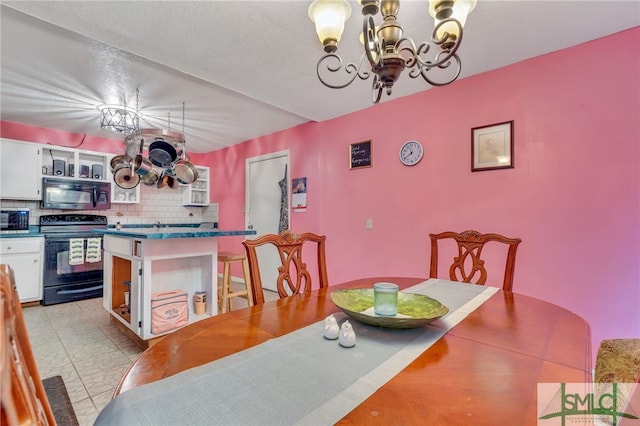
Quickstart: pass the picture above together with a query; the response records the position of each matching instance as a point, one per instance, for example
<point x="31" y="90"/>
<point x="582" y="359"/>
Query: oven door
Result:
<point x="76" y="274"/>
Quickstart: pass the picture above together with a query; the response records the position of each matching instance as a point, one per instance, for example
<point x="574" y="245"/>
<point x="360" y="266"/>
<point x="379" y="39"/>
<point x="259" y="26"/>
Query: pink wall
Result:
<point x="573" y="196"/>
<point x="26" y="133"/>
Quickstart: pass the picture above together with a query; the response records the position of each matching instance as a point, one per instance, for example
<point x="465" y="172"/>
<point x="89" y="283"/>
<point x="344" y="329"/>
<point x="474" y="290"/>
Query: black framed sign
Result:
<point x="360" y="155"/>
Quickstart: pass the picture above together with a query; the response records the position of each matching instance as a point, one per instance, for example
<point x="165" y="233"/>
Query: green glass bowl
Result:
<point x="414" y="310"/>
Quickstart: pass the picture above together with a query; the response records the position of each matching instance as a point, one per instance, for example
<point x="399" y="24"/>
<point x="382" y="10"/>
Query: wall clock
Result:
<point x="411" y="153"/>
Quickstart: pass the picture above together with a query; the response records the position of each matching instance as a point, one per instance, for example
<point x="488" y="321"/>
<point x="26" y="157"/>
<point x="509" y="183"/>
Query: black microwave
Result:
<point x="14" y="220"/>
<point x="66" y="194"/>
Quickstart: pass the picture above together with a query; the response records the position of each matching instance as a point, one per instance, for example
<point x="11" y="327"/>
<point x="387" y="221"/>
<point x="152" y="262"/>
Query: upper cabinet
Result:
<point x="25" y="163"/>
<point x="20" y="170"/>
<point x="197" y="194"/>
<point x="121" y="195"/>
<point x="75" y="164"/>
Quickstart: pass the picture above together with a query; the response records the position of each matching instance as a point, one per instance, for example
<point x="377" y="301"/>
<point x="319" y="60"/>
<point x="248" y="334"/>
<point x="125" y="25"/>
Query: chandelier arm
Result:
<point x="333" y="63"/>
<point x="371" y="45"/>
<point x="421" y="71"/>
<point x="376" y="89"/>
<point x="449" y="48"/>
<point x="407" y="49"/>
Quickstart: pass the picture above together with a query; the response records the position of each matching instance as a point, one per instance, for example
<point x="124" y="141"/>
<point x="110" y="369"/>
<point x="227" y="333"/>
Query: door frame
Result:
<point x="247" y="191"/>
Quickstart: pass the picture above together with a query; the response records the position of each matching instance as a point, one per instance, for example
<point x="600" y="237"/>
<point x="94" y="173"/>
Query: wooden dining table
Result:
<point x="485" y="370"/>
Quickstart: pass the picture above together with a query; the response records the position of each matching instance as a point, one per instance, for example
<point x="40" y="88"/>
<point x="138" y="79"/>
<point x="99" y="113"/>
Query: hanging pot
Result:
<point x="172" y="182"/>
<point x="166" y="180"/>
<point x="162" y="180"/>
<point x="141" y="165"/>
<point x="162" y="153"/>
<point x="150" y="178"/>
<point x="118" y="161"/>
<point x="125" y="178"/>
<point x="132" y="148"/>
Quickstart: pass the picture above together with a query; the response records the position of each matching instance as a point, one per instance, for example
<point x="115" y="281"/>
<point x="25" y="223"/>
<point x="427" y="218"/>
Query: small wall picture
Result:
<point x="492" y="147"/>
<point x="299" y="197"/>
<point x="360" y="155"/>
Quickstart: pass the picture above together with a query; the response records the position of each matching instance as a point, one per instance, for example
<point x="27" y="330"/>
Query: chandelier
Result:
<point x="388" y="53"/>
<point x="120" y="119"/>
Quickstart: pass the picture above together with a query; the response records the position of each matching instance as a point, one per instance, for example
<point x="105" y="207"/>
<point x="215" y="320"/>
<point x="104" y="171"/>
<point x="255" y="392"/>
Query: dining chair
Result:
<point x="293" y="275"/>
<point x="468" y="266"/>
<point x="618" y="361"/>
<point x="24" y="400"/>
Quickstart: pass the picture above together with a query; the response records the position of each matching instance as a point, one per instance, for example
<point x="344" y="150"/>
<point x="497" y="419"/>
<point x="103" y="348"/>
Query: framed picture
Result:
<point x="360" y="155"/>
<point x="492" y="147"/>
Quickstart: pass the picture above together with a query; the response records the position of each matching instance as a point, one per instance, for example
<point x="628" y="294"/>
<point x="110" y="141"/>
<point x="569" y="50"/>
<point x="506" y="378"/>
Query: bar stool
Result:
<point x="227" y="291"/>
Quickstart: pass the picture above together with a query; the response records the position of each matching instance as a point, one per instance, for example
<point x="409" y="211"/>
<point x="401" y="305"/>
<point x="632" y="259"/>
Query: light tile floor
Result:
<point x="77" y="341"/>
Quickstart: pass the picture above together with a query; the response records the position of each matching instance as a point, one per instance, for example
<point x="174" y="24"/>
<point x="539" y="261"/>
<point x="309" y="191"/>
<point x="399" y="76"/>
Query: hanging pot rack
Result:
<point x="166" y="158"/>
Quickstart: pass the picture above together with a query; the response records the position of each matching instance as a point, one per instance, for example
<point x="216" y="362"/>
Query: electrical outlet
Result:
<point x="369" y="223"/>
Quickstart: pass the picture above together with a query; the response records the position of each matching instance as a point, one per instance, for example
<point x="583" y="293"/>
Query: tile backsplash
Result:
<point x="156" y="204"/>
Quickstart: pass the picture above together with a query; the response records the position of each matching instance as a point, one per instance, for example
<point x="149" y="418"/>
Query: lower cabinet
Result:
<point x="122" y="277"/>
<point x="24" y="255"/>
<point x="136" y="269"/>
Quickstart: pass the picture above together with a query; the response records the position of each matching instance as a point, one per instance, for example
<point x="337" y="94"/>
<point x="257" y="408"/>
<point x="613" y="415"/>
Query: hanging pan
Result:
<point x="125" y="178"/>
<point x="150" y="178"/>
<point x="185" y="172"/>
<point x="162" y="153"/>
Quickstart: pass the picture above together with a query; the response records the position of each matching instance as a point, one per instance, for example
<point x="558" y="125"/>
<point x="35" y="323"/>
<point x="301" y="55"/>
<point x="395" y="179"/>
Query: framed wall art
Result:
<point x="492" y="147"/>
<point x="360" y="155"/>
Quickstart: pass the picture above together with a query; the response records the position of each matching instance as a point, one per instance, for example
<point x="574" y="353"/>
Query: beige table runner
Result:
<point x="299" y="378"/>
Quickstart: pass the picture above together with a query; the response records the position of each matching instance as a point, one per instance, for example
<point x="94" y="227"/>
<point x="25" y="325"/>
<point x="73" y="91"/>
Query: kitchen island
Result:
<point x="144" y="261"/>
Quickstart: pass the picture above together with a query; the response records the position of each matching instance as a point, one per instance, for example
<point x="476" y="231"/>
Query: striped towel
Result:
<point x="94" y="251"/>
<point x="76" y="251"/>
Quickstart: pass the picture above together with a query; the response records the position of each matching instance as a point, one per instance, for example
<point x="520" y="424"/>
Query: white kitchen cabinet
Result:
<point x="197" y="194"/>
<point x="143" y="267"/>
<point x="71" y="163"/>
<point x="20" y="170"/>
<point x="24" y="255"/>
<point x="122" y="276"/>
<point x="124" y="196"/>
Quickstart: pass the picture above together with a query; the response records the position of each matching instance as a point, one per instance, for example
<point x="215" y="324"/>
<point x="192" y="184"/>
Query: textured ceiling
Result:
<point x="243" y="68"/>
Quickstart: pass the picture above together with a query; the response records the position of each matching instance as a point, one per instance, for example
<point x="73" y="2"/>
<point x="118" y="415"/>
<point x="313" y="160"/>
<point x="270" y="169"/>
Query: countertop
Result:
<point x="34" y="231"/>
<point x="163" y="233"/>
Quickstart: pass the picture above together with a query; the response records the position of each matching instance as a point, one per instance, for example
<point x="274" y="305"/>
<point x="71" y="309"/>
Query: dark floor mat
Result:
<point x="59" y="401"/>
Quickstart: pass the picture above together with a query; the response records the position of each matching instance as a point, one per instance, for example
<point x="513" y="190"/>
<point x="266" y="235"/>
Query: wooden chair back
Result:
<point x="293" y="275"/>
<point x="24" y="400"/>
<point x="468" y="266"/>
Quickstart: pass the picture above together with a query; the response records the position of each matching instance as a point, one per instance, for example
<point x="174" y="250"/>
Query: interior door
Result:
<point x="264" y="194"/>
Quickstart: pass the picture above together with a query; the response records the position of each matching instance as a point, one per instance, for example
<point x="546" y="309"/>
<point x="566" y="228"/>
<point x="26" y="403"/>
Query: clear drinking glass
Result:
<point x="385" y="299"/>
